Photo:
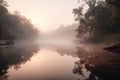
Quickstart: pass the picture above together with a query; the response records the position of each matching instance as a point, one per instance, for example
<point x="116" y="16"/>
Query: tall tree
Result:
<point x="94" y="22"/>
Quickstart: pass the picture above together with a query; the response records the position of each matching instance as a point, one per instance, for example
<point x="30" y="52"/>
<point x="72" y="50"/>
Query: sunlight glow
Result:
<point x="38" y="23"/>
<point x="45" y="14"/>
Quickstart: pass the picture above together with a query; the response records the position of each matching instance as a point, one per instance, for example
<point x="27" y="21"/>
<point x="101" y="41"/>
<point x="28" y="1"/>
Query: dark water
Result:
<point x="58" y="62"/>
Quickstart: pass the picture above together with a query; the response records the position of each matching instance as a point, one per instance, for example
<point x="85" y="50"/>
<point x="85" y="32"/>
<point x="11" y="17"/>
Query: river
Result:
<point x="63" y="61"/>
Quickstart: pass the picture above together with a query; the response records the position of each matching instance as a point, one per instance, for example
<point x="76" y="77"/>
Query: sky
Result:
<point x="46" y="15"/>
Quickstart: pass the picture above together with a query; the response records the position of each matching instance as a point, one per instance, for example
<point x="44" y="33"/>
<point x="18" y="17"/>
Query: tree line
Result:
<point x="98" y="20"/>
<point x="15" y="26"/>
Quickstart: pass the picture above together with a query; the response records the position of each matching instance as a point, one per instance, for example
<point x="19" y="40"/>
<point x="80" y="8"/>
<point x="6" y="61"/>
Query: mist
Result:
<point x="14" y="26"/>
<point x="69" y="52"/>
<point x="62" y="34"/>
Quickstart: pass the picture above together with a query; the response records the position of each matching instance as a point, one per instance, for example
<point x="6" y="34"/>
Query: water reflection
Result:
<point x="45" y="65"/>
<point x="28" y="62"/>
<point x="14" y="56"/>
<point x="63" y="48"/>
<point x="96" y="64"/>
<point x="56" y="62"/>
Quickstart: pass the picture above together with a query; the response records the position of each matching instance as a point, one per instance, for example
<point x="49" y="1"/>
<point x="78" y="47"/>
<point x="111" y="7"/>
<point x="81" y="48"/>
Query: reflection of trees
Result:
<point x="97" y="64"/>
<point x="66" y="51"/>
<point x="14" y="56"/>
<point x="63" y="49"/>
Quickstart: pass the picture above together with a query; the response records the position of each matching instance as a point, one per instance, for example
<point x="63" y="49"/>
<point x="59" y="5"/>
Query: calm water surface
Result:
<point x="58" y="62"/>
<point x="45" y="62"/>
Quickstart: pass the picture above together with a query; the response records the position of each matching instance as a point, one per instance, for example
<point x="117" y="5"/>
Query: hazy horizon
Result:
<point x="46" y="15"/>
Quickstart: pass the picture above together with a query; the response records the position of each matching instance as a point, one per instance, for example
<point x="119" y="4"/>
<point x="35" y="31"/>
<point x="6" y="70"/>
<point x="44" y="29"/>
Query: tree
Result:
<point x="94" y="22"/>
<point x="15" y="26"/>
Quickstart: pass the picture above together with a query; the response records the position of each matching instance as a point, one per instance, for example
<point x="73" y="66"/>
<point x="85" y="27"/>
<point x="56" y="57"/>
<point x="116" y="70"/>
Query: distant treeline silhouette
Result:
<point x="15" y="26"/>
<point x="62" y="33"/>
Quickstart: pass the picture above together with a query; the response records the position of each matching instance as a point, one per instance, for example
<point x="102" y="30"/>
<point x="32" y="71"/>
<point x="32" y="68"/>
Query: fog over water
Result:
<point x="52" y="59"/>
<point x="46" y="60"/>
<point x="41" y="41"/>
